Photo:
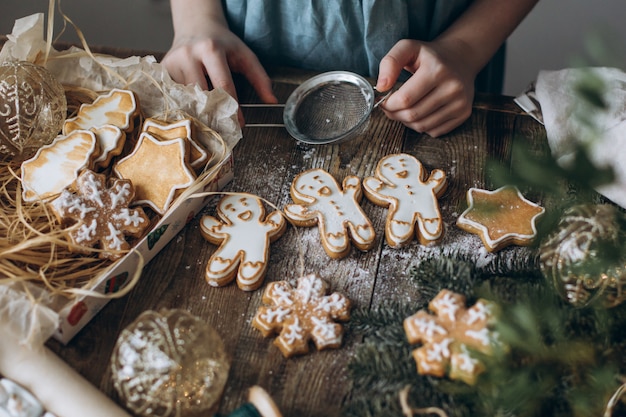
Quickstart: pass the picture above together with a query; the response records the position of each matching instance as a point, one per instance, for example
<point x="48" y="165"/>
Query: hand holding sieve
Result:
<point x="328" y="108"/>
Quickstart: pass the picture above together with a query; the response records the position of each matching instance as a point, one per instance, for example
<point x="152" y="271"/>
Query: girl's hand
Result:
<point x="438" y="96"/>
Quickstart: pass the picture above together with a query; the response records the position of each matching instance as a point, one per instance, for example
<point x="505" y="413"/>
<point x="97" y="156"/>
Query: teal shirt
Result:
<point x="351" y="35"/>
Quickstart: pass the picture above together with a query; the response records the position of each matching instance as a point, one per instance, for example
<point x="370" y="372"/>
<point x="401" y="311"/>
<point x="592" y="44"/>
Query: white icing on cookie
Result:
<point x="398" y="184"/>
<point x="336" y="211"/>
<point x="117" y="108"/>
<point x="305" y="314"/>
<point x="111" y="143"/>
<point x="158" y="170"/>
<point x="243" y="234"/>
<point x="448" y="335"/>
<point x="57" y="165"/>
<point x="102" y="214"/>
<point x="502" y="217"/>
<point x="178" y="129"/>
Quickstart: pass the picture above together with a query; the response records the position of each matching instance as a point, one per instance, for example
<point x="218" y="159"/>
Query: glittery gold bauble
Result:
<point x="582" y="255"/>
<point x="169" y="364"/>
<point x="32" y="109"/>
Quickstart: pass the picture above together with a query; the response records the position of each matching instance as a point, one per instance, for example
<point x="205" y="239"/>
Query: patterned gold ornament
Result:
<point x="32" y="109"/>
<point x="582" y="255"/>
<point x="169" y="364"/>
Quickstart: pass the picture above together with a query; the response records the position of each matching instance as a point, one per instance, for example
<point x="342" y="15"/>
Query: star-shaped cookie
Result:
<point x="501" y="218"/>
<point x="158" y="171"/>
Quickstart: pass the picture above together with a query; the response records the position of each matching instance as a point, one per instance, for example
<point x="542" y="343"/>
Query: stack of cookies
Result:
<point x="107" y="159"/>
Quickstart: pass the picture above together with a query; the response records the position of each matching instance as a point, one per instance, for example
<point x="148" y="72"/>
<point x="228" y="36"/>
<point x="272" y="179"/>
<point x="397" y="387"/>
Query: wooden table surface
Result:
<point x="266" y="161"/>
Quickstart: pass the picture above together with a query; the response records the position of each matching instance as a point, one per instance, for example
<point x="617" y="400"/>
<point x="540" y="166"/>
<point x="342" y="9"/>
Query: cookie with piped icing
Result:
<point x="57" y="165"/>
<point x="320" y="200"/>
<point x="100" y="214"/>
<point x="182" y="128"/>
<point x="158" y="169"/>
<point x="501" y="218"/>
<point x="401" y="184"/>
<point x="302" y="314"/>
<point x="449" y="332"/>
<point x="117" y="107"/>
<point x="111" y="141"/>
<point x="243" y="233"/>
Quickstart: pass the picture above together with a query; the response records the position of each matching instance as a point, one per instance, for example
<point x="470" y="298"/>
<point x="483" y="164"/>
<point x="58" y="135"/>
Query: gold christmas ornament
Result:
<point x="33" y="108"/>
<point x="169" y="364"/>
<point x="582" y="256"/>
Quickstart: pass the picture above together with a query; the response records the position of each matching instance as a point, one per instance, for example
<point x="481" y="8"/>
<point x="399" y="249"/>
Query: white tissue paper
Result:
<point x="605" y="137"/>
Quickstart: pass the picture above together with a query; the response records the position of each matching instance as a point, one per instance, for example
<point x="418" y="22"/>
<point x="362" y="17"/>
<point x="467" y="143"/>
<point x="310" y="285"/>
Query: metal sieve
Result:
<point x="331" y="107"/>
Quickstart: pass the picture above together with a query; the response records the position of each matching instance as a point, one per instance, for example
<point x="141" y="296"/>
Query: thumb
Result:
<point x="403" y="54"/>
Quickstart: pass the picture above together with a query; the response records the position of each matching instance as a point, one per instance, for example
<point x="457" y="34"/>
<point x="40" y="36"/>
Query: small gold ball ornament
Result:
<point x="582" y="256"/>
<point x="169" y="364"/>
<point x="33" y="109"/>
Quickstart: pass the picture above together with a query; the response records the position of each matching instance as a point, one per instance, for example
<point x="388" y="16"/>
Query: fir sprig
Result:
<point x="559" y="361"/>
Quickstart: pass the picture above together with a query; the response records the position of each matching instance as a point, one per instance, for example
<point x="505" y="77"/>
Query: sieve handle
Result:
<point x="383" y="98"/>
<point x="262" y="105"/>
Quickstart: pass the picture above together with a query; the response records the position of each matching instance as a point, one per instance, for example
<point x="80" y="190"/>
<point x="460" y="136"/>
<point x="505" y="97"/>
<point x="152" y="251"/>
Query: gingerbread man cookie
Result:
<point x="244" y="234"/>
<point x="321" y="200"/>
<point x="450" y="334"/>
<point x="501" y="218"/>
<point x="302" y="314"/>
<point x="400" y="183"/>
<point x="102" y="214"/>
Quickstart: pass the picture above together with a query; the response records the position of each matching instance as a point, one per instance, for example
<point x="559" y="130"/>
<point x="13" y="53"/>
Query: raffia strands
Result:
<point x="32" y="243"/>
<point x="33" y="246"/>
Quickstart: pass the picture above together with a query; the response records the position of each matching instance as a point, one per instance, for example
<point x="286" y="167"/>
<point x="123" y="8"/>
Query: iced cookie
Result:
<point x="180" y="129"/>
<point x="102" y="213"/>
<point x="450" y="334"/>
<point x="158" y="170"/>
<point x="302" y="314"/>
<point x="111" y="141"/>
<point x="117" y="108"/>
<point x="336" y="211"/>
<point x="57" y="165"/>
<point x="401" y="184"/>
<point x="243" y="234"/>
<point x="501" y="218"/>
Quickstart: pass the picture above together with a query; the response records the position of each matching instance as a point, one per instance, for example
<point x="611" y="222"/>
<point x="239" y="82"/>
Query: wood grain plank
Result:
<point x="266" y="161"/>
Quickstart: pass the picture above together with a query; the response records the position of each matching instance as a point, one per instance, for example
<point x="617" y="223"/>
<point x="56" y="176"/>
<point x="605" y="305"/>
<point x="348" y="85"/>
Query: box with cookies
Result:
<point x="129" y="158"/>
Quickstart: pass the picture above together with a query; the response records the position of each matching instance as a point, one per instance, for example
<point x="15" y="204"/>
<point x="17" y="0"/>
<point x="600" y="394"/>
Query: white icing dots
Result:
<point x="305" y="312"/>
<point x="243" y="234"/>
<point x="449" y="335"/>
<point x="102" y="214"/>
<point x="335" y="209"/>
<point x="398" y="184"/>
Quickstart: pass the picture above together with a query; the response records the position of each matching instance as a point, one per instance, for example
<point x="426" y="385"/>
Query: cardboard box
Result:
<point x="76" y="313"/>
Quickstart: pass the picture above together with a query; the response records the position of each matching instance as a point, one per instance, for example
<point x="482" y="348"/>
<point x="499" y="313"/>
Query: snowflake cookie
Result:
<point x="102" y="214"/>
<point x="449" y="336"/>
<point x="301" y="314"/>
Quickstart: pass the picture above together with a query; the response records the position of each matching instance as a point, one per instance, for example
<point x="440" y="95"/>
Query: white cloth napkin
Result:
<point x="564" y="112"/>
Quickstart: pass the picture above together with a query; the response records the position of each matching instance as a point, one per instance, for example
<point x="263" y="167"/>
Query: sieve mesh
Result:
<point x="330" y="107"/>
<point x="331" y="110"/>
